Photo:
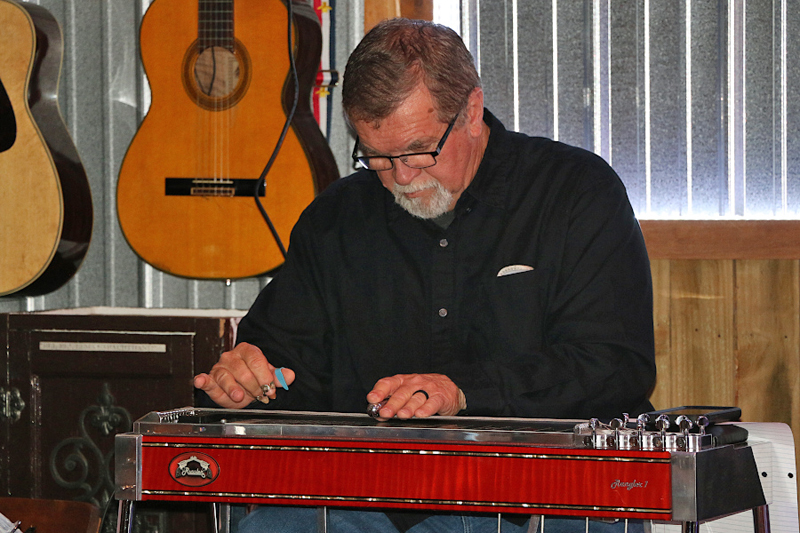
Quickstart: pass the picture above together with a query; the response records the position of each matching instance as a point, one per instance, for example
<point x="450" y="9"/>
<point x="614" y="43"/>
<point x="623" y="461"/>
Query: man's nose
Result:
<point x="403" y="174"/>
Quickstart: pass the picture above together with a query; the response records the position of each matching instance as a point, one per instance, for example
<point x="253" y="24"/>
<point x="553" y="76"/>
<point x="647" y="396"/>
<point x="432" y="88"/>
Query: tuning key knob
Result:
<point x="593" y="423"/>
<point x="703" y="422"/>
<point x="662" y="424"/>
<point x="685" y="424"/>
<point x="616" y="424"/>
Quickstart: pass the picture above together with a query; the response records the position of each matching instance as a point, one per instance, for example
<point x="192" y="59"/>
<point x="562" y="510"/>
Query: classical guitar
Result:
<point x="218" y="72"/>
<point x="45" y="202"/>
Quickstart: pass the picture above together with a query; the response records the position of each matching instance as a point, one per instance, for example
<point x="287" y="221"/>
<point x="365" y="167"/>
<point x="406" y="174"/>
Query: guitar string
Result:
<point x="205" y="148"/>
<point x="217" y="132"/>
<point x="224" y="41"/>
<point x="226" y="47"/>
<point x="210" y="152"/>
<point x="220" y="131"/>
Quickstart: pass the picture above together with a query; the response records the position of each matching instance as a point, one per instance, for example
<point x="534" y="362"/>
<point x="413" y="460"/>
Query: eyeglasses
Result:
<point x="415" y="160"/>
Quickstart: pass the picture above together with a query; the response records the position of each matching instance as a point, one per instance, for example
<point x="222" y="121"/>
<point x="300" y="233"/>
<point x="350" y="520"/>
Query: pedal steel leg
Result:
<point x="322" y="519"/>
<point x="224" y="518"/>
<point x="125" y="516"/>
<point x="761" y="519"/>
<point x="690" y="527"/>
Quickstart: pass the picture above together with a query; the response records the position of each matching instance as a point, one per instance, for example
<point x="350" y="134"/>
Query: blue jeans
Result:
<point x="281" y="519"/>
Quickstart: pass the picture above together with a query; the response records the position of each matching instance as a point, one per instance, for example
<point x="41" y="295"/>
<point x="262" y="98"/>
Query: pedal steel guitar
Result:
<point x="682" y="468"/>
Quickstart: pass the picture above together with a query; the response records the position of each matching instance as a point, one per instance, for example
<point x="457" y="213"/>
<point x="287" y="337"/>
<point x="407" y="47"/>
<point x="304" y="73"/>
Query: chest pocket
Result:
<point x="508" y="319"/>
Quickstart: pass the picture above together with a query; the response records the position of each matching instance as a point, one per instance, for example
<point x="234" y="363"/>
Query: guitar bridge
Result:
<point x="220" y="187"/>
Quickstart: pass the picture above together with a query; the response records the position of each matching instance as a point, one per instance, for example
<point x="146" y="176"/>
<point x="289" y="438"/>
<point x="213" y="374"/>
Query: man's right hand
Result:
<point x="237" y="378"/>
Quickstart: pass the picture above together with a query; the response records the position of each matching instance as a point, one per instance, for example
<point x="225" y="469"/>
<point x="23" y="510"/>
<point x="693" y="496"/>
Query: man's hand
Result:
<point x="237" y="378"/>
<point x="405" y="400"/>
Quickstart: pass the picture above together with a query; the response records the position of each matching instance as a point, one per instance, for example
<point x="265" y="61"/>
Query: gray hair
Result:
<point x="394" y="57"/>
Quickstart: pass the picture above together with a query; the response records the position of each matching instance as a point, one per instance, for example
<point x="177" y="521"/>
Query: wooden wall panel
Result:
<point x="702" y="369"/>
<point x="768" y="340"/>
<point x="727" y="332"/>
<point x="722" y="239"/>
<point x="378" y="10"/>
<point x="417" y="9"/>
<point x="662" y="394"/>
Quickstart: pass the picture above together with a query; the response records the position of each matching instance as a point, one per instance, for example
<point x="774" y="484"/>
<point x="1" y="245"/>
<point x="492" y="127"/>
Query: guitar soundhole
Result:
<point x="216" y="71"/>
<point x="216" y="77"/>
<point x="8" y="124"/>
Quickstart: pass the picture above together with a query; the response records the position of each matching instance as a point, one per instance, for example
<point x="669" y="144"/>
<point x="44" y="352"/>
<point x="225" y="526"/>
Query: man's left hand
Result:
<point x="406" y="399"/>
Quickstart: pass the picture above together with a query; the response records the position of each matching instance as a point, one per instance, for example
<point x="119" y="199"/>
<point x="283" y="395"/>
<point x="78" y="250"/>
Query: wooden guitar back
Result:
<point x="46" y="211"/>
<point x="30" y="192"/>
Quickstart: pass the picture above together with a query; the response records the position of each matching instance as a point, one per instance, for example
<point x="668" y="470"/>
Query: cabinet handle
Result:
<point x="11" y="404"/>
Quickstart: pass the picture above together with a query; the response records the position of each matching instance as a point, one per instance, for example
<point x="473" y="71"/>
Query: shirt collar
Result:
<point x="490" y="184"/>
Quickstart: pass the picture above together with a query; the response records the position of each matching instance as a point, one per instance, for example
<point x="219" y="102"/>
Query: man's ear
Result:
<point x="474" y="112"/>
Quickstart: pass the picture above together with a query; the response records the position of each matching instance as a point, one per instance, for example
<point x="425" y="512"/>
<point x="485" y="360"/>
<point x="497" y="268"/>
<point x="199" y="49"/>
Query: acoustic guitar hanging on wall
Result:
<point x="45" y="202"/>
<point x="219" y="76"/>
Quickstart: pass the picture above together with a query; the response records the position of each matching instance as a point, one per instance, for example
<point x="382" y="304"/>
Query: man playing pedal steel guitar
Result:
<point x="465" y="269"/>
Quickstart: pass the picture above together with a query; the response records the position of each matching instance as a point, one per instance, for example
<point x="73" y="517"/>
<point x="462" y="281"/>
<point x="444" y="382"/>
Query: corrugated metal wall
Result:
<point x="695" y="103"/>
<point x="103" y="97"/>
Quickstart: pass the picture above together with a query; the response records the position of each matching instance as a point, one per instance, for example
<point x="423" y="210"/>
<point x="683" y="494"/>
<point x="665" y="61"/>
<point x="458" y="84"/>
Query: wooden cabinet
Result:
<point x="72" y="380"/>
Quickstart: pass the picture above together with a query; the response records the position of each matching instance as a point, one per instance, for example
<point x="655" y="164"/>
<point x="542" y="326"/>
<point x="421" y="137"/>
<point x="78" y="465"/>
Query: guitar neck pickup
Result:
<point x="226" y="187"/>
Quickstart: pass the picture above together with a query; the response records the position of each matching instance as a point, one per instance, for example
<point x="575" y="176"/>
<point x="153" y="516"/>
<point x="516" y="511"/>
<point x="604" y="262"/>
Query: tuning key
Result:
<point x="593" y="423"/>
<point x="685" y="424"/>
<point x="641" y="424"/>
<point x="703" y="423"/>
<point x="616" y="424"/>
<point x="662" y="424"/>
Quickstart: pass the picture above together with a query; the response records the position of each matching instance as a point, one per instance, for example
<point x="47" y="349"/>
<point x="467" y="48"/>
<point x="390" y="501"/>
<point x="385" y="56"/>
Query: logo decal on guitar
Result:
<point x="628" y="485"/>
<point x="193" y="469"/>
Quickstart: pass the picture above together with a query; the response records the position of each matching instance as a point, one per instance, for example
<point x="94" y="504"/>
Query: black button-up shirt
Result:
<point x="535" y="300"/>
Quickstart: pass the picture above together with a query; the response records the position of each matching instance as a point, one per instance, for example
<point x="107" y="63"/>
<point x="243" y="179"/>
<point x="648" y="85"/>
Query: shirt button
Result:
<point x="442" y="312"/>
<point x="443" y="243"/>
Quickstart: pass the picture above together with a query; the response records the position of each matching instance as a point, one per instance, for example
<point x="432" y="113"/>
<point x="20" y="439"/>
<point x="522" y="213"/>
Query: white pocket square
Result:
<point x="513" y="269"/>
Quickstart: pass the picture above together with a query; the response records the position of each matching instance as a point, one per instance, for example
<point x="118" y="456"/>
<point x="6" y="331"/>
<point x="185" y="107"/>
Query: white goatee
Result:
<point x="432" y="206"/>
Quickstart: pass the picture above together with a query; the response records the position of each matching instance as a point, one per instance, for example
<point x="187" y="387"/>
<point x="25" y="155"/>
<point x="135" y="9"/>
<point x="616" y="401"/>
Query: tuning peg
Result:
<point x="594" y="423"/>
<point x="662" y="424"/>
<point x="641" y="424"/>
<point x="684" y="423"/>
<point x="703" y="423"/>
<point x="616" y="424"/>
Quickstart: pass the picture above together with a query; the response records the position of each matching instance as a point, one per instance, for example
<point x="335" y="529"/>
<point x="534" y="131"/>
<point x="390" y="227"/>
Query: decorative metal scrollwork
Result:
<point x="11" y="405"/>
<point x="78" y="463"/>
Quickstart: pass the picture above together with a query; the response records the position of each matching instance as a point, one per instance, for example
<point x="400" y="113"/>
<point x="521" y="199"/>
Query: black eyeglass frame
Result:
<point x="364" y="160"/>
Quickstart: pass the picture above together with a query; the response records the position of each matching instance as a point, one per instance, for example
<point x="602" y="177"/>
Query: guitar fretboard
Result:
<point x="215" y="24"/>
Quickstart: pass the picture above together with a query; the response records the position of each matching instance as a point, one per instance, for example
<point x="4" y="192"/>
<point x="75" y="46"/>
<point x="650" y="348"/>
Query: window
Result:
<point x="694" y="103"/>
